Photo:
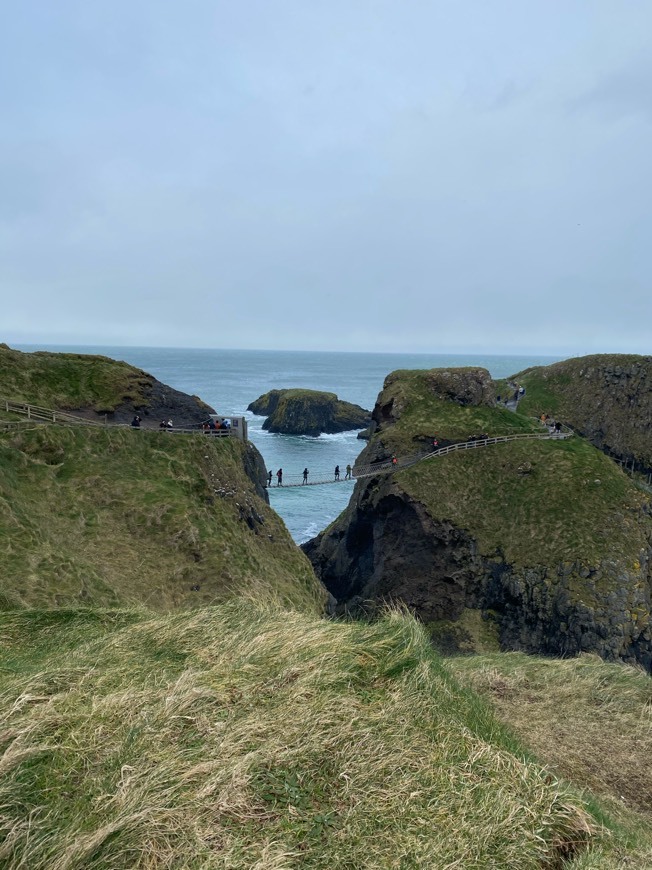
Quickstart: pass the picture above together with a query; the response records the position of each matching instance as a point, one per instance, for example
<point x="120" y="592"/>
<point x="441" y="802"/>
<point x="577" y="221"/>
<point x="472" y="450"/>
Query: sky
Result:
<point x="373" y="175"/>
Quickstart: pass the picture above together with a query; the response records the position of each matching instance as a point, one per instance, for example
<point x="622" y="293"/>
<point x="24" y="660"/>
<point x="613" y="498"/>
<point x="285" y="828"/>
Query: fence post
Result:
<point x="29" y="415"/>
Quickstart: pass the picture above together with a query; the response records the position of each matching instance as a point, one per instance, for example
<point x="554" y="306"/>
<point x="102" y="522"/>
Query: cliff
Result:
<point x="308" y="412"/>
<point x="607" y="398"/>
<point x="543" y="546"/>
<point x="115" y="517"/>
<point x="95" y="387"/>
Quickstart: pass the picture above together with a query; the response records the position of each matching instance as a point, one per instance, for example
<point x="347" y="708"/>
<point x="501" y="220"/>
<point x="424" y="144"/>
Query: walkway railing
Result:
<point x="37" y="414"/>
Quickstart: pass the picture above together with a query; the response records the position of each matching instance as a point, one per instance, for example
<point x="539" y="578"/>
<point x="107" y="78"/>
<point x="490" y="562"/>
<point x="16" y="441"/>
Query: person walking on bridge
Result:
<point x="305" y="476"/>
<point x="269" y="478"/>
<point x="279" y="477"/>
<point x="337" y="472"/>
<point x="347" y="476"/>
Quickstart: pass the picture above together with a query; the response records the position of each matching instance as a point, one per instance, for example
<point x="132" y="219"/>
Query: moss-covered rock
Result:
<point x="308" y="412"/>
<point x="548" y="540"/>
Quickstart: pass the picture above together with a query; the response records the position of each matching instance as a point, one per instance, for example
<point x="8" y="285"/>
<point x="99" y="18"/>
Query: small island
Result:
<point x="308" y="412"/>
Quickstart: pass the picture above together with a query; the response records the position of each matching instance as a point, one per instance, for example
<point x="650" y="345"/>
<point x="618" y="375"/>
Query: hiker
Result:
<point x="269" y="478"/>
<point x="305" y="476"/>
<point x="337" y="472"/>
<point x="348" y="472"/>
<point x="435" y="443"/>
<point x="136" y="422"/>
<point x="170" y="424"/>
<point x="394" y="460"/>
<point x="558" y="428"/>
<point x="279" y="477"/>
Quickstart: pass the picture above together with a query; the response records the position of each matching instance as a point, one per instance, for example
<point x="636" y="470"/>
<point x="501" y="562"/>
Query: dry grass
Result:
<point x="589" y="721"/>
<point x="241" y="737"/>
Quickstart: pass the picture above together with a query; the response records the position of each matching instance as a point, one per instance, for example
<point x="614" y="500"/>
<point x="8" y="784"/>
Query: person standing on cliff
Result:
<point x="305" y="475"/>
<point x="279" y="477"/>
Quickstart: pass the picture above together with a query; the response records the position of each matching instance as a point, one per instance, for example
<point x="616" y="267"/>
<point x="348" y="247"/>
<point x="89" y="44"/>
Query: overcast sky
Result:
<point x="390" y="175"/>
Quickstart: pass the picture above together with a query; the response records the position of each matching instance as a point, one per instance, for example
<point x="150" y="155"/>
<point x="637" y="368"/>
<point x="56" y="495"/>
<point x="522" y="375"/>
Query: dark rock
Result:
<point x="308" y="412"/>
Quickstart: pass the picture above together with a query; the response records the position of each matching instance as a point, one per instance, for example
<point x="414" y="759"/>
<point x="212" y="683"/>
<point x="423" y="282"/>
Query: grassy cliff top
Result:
<point x="565" y="384"/>
<point x="606" y="397"/>
<point x="112" y="517"/>
<point x="412" y="407"/>
<point x="537" y="502"/>
<point x="69" y="380"/>
<point x="247" y="737"/>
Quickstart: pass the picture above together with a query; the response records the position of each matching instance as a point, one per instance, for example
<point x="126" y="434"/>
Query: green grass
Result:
<point x="419" y="414"/>
<point x="244" y="736"/>
<point x="605" y="396"/>
<point x="114" y="517"/>
<point x="536" y="502"/>
<point x="70" y="381"/>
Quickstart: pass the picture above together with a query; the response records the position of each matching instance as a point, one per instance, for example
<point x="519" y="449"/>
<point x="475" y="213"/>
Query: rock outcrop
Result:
<point x="607" y="398"/>
<point x="308" y="412"/>
<point x="539" y="546"/>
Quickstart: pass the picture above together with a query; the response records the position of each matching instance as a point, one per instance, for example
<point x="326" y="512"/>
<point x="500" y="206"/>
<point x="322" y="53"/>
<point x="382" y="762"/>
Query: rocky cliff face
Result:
<point x="534" y="579"/>
<point x="308" y="412"/>
<point x="606" y="397"/>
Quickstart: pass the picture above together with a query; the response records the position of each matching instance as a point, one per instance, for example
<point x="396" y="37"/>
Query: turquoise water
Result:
<point x="230" y="379"/>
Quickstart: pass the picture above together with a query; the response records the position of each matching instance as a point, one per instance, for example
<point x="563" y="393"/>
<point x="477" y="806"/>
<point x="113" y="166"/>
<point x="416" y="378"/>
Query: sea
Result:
<point x="230" y="379"/>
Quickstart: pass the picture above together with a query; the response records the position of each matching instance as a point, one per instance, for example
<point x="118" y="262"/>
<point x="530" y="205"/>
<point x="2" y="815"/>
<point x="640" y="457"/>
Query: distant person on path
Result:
<point x="558" y="427"/>
<point x="269" y="478"/>
<point x="394" y="460"/>
<point x="305" y="475"/>
<point x="347" y="476"/>
<point x="337" y="472"/>
<point x="136" y="422"/>
<point x="279" y="477"/>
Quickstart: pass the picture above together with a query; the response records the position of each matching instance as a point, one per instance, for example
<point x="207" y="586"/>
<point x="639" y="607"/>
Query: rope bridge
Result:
<point x="390" y="466"/>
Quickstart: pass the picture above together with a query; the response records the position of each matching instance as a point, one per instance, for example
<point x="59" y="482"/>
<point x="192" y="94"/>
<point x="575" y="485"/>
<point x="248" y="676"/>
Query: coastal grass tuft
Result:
<point x="591" y="722"/>
<point x="242" y="736"/>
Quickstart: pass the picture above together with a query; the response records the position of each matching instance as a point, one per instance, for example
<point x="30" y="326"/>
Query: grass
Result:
<point x="605" y="396"/>
<point x="245" y="736"/>
<point x="70" y="381"/>
<point x="419" y="414"/>
<point x="536" y="502"/>
<point x="113" y="517"/>
<point x="590" y="722"/>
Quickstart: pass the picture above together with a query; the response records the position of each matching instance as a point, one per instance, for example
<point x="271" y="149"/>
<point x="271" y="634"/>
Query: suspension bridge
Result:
<point x="392" y="465"/>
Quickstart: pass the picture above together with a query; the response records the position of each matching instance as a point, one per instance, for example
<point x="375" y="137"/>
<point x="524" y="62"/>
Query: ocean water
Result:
<point x="230" y="379"/>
